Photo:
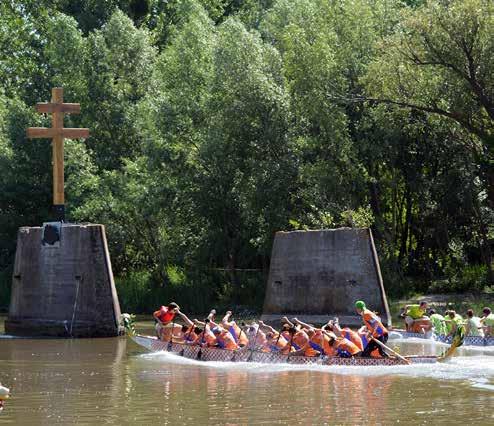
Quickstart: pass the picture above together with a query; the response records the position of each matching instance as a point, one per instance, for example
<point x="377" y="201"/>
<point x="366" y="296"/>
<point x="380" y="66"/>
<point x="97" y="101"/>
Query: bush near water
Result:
<point x="216" y="123"/>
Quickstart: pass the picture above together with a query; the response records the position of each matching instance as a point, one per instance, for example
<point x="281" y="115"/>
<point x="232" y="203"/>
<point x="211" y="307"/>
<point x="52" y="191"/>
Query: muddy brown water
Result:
<point x="113" y="381"/>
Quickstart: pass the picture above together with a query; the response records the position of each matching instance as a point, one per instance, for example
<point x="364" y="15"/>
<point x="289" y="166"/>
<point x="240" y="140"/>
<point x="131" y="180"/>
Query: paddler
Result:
<point x="376" y="329"/>
<point x="237" y="333"/>
<point x="346" y="332"/>
<point x="165" y="321"/>
<point x="473" y="326"/>
<point x="453" y="320"/>
<point x="205" y="337"/>
<point x="298" y="338"/>
<point x="328" y="342"/>
<point x="224" y="338"/>
<point x="256" y="336"/>
<point x="275" y="342"/>
<point x="438" y="323"/>
<point x="487" y="321"/>
<point x="343" y="347"/>
<point x="415" y="319"/>
<point x="188" y="332"/>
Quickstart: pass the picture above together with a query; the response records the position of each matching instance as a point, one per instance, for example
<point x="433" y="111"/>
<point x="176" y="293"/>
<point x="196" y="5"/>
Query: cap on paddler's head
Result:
<point x="359" y="304"/>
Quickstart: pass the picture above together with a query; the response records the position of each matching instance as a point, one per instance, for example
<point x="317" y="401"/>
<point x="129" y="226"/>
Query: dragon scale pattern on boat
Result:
<point x="247" y="355"/>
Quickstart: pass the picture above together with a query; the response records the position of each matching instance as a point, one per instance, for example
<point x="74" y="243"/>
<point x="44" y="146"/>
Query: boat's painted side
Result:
<point x="469" y="340"/>
<point x="247" y="355"/>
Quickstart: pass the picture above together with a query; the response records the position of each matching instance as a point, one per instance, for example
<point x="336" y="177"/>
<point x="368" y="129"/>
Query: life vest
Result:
<point x="164" y="315"/>
<point x="225" y="340"/>
<point x="238" y="335"/>
<point x="277" y="342"/>
<point x="345" y="348"/>
<point x="322" y="342"/>
<point x="353" y="336"/>
<point x="300" y="339"/>
<point x="206" y="337"/>
<point x="373" y="324"/>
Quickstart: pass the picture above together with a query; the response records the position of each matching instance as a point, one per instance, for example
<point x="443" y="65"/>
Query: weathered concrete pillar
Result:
<point x="317" y="275"/>
<point x="63" y="288"/>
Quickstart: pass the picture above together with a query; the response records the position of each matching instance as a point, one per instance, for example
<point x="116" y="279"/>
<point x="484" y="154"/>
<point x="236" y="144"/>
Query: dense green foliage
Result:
<point x="215" y="123"/>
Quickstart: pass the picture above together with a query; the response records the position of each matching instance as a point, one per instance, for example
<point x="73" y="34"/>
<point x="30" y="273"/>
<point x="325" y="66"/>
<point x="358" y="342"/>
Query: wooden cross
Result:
<point x="57" y="133"/>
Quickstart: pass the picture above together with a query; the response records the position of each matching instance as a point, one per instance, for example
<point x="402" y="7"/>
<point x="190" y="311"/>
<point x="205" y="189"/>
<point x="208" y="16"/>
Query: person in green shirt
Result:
<point x="473" y="326"/>
<point x="438" y="323"/>
<point x="415" y="318"/>
<point x="487" y="321"/>
<point x="453" y="320"/>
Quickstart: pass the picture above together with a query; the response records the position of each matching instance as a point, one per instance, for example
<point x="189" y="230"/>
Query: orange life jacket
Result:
<point x="345" y="348"/>
<point x="353" y="336"/>
<point x="275" y="342"/>
<point x="225" y="340"/>
<point x="206" y="337"/>
<point x="320" y="343"/>
<point x="373" y="324"/>
<point x="238" y="334"/>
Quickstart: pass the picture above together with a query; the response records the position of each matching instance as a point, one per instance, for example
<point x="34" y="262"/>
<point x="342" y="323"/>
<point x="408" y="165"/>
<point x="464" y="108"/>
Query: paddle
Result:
<point x="181" y="353"/>
<point x="457" y="341"/>
<point x="253" y="347"/>
<point x="396" y="354"/>
<point x="170" y="342"/>
<point x="199" y="354"/>
<point x="290" y="348"/>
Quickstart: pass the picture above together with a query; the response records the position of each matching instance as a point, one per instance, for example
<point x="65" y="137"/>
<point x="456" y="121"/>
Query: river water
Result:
<point x="113" y="381"/>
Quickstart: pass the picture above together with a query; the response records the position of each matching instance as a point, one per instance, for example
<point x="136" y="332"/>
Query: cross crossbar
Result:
<point x="47" y="108"/>
<point x="57" y="133"/>
<point x="50" y="132"/>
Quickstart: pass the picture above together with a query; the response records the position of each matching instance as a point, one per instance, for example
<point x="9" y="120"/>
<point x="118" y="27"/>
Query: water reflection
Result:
<point x="51" y="379"/>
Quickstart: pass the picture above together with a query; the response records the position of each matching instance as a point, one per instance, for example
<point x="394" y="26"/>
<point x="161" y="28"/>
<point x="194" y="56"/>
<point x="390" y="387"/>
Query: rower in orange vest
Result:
<point x="345" y="332"/>
<point x="224" y="339"/>
<point x="275" y="341"/>
<point x="237" y="333"/>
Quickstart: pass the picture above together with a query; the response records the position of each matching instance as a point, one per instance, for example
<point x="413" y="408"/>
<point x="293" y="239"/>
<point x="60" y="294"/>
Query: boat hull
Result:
<point x="468" y="341"/>
<point x="247" y="355"/>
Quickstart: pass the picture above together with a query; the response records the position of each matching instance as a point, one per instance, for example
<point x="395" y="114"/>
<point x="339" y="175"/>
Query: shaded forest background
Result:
<point x="216" y="123"/>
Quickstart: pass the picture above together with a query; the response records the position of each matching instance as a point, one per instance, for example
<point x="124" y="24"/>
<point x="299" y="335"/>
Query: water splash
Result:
<point x="478" y="370"/>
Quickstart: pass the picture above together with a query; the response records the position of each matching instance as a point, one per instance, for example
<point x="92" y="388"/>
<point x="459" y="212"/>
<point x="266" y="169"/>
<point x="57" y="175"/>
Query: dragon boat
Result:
<point x="468" y="340"/>
<point x="247" y="354"/>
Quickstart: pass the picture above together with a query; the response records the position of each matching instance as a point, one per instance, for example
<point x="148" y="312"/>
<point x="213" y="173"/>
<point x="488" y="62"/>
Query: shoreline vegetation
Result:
<point x="214" y="124"/>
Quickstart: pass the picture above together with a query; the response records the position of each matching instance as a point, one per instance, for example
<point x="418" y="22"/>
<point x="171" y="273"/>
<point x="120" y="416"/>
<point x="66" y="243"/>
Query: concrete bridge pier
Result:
<point x="318" y="275"/>
<point x="63" y="283"/>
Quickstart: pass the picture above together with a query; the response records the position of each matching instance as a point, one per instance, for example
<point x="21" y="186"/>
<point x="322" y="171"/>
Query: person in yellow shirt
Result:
<point x="415" y="318"/>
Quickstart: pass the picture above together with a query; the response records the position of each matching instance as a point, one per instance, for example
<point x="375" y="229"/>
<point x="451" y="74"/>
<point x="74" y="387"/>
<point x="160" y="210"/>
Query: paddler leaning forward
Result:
<point x="327" y="342"/>
<point x="165" y="321"/>
<point x="375" y="327"/>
